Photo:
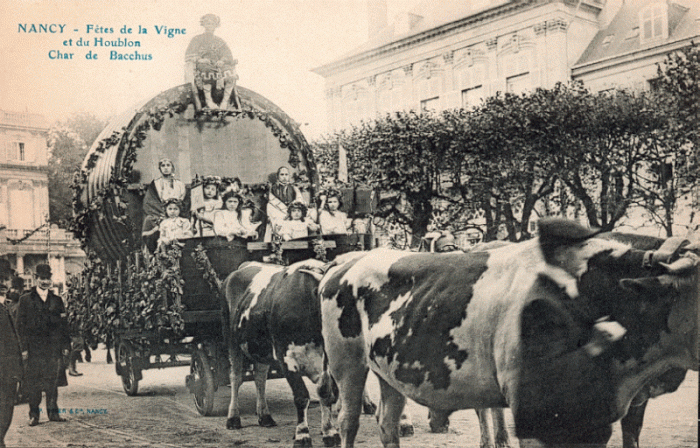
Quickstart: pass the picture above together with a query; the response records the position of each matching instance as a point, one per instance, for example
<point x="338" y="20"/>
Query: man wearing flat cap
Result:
<point x="44" y="339"/>
<point x="10" y="358"/>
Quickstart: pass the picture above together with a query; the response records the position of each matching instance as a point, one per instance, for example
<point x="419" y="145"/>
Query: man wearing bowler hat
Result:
<point x="10" y="358"/>
<point x="44" y="339"/>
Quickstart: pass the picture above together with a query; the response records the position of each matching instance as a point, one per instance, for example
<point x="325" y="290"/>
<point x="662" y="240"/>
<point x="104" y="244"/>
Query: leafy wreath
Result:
<point x="129" y="139"/>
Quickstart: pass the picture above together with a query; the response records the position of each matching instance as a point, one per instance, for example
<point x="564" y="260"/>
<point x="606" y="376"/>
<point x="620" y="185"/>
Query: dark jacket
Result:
<point x="10" y="357"/>
<point x="42" y="328"/>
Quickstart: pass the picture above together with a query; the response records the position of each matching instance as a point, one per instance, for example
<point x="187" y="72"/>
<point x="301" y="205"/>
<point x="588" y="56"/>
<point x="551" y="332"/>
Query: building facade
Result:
<point x="453" y="53"/>
<point x="26" y="238"/>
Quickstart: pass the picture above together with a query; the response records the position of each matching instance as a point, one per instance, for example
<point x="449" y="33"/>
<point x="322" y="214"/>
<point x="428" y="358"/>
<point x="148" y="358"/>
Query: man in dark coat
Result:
<point x="44" y="339"/>
<point x="10" y="357"/>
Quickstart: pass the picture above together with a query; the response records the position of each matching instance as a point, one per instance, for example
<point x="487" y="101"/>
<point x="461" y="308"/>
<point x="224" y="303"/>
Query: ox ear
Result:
<point x="648" y="286"/>
<point x="558" y="232"/>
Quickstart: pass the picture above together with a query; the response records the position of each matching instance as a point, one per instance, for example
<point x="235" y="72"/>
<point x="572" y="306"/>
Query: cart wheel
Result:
<point x="125" y="358"/>
<point x="204" y="387"/>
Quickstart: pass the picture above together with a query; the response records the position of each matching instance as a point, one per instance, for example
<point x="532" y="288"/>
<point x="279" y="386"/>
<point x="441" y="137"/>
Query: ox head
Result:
<point x="567" y="394"/>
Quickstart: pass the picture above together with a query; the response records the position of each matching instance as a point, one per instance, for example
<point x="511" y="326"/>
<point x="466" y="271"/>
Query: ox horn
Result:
<point x="680" y="266"/>
<point x="318" y="276"/>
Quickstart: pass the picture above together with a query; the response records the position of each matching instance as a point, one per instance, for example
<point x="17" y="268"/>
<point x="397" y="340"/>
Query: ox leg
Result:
<point x="439" y="421"/>
<point x="302" y="437"/>
<point x="632" y="425"/>
<point x="264" y="418"/>
<point x="390" y="409"/>
<point x="485" y="428"/>
<point x="499" y="428"/>
<point x="350" y="386"/>
<point x="236" y="377"/>
<point x="328" y="395"/>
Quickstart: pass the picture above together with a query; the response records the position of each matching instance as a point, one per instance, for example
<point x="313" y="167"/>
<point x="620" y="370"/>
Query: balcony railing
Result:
<point x="38" y="235"/>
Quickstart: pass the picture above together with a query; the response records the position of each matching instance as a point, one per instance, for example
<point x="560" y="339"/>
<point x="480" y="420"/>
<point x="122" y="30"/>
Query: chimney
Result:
<point x="376" y="17"/>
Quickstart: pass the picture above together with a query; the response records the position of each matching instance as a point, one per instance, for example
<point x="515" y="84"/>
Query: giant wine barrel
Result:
<point x="250" y="143"/>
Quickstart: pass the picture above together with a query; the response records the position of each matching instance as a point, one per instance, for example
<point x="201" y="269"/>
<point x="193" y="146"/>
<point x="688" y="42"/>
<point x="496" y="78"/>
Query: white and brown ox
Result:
<point x="534" y="326"/>
<point x="274" y="318"/>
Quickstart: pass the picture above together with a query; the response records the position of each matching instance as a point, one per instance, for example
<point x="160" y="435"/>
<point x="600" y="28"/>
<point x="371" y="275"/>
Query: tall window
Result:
<point x="518" y="84"/>
<point x="654" y="22"/>
<point x="429" y="90"/>
<point x="430" y="104"/>
<point x="469" y="80"/>
<point x="516" y="69"/>
<point x="20" y="151"/>
<point x="472" y="96"/>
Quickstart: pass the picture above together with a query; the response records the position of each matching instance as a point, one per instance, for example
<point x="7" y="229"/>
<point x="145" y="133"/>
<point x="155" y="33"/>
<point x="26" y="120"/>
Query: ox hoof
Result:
<point x="406" y="430"/>
<point x="369" y="408"/>
<point x="233" y="423"/>
<point x="440" y="429"/>
<point x="302" y="443"/>
<point x="331" y="441"/>
<point x="266" y="421"/>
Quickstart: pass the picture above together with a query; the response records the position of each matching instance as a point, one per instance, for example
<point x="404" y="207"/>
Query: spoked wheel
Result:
<point x="125" y="358"/>
<point x="204" y="387"/>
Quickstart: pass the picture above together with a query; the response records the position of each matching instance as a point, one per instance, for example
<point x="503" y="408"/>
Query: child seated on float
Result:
<point x="296" y="224"/>
<point x="212" y="204"/>
<point x="173" y="227"/>
<point x="231" y="221"/>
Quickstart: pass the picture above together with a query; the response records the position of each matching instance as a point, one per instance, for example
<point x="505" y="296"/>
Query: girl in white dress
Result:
<point x="231" y="222"/>
<point x="297" y="224"/>
<point x="173" y="227"/>
<point x="212" y="204"/>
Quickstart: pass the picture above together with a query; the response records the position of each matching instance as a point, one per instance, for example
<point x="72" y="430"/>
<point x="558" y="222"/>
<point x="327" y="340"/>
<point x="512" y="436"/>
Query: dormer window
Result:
<point x="654" y="22"/>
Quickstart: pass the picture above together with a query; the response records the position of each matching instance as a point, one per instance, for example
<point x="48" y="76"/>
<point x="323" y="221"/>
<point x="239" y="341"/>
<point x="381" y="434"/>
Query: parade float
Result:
<point x="159" y="303"/>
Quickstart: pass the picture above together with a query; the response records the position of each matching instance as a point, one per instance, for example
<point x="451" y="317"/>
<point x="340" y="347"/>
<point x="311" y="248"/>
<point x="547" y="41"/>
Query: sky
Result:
<point x="276" y="42"/>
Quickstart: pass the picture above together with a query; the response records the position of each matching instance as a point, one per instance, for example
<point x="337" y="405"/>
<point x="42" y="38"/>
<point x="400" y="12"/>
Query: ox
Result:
<point x="537" y="326"/>
<point x="274" y="317"/>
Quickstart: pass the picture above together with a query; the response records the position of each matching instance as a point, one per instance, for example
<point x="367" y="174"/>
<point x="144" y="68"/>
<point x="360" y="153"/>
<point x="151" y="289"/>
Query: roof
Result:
<point x="622" y="34"/>
<point x="428" y="18"/>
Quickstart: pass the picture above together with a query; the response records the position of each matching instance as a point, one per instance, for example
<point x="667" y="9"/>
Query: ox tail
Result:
<point x="327" y="388"/>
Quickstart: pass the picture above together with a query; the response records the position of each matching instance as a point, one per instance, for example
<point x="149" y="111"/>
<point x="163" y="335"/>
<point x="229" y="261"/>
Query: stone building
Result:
<point x="453" y="53"/>
<point x="26" y="238"/>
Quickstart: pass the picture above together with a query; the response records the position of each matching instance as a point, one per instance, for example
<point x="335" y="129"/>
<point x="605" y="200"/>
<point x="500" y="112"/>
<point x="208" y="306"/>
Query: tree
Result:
<point x="605" y="158"/>
<point x="68" y="142"/>
<point x="675" y="167"/>
<point x="401" y="155"/>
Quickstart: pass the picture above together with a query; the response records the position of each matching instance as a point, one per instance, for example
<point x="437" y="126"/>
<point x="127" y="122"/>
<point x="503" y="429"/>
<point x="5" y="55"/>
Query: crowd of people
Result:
<point x="225" y="210"/>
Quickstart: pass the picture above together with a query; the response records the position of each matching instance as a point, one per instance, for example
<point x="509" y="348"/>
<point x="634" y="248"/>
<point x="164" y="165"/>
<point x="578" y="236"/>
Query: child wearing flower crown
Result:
<point x="173" y="227"/>
<point x="296" y="224"/>
<point x="231" y="221"/>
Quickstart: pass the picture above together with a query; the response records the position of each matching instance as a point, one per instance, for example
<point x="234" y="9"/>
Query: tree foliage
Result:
<point x="68" y="142"/>
<point x="561" y="151"/>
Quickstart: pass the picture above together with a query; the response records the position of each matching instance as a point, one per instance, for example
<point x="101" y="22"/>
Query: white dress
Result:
<point x="174" y="229"/>
<point x="335" y="223"/>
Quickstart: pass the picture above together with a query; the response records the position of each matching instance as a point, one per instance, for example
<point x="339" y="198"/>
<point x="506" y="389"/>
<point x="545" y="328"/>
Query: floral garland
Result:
<point x="99" y="305"/>
<point x="153" y="118"/>
<point x="276" y="246"/>
<point x="203" y="265"/>
<point x="319" y="248"/>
